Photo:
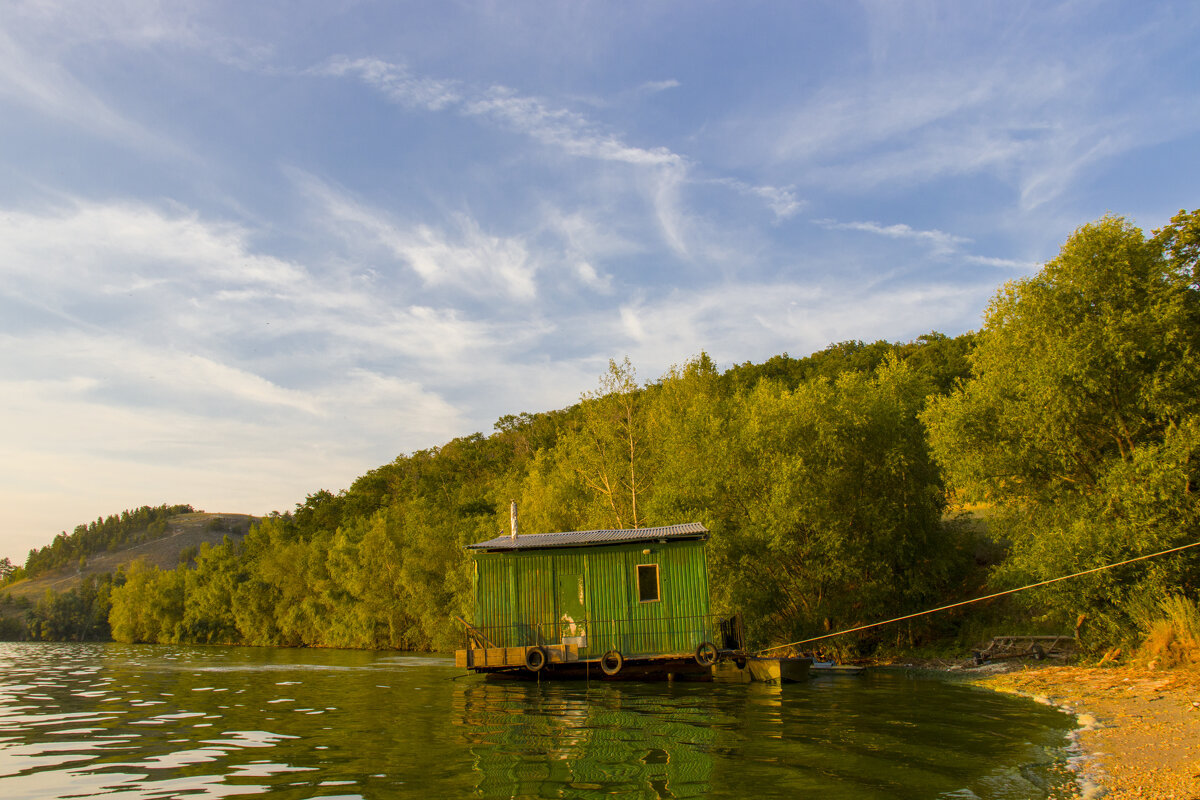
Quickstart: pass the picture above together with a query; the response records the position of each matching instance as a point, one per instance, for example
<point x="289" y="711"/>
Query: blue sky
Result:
<point x="252" y="250"/>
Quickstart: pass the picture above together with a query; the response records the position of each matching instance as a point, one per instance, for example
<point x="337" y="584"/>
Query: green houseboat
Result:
<point x="604" y="603"/>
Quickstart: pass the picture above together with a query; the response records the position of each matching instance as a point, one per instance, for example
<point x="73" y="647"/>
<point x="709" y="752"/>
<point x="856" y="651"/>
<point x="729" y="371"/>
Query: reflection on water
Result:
<point x="625" y="740"/>
<point x="157" y="722"/>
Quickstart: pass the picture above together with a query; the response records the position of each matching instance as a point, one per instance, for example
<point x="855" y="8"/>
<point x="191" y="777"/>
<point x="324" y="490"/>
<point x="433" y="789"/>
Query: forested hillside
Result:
<point x="823" y="501"/>
<point x="68" y="599"/>
<point x="1071" y="416"/>
<point x="105" y="534"/>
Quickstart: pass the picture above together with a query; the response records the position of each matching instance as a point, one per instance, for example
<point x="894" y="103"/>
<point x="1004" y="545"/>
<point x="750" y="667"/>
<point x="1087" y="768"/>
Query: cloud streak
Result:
<point x="939" y="242"/>
<point x="560" y="128"/>
<point x="470" y="260"/>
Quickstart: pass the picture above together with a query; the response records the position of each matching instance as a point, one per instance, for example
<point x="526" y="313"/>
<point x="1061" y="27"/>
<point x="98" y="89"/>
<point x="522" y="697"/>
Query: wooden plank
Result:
<point x="492" y="656"/>
<point x="511" y="656"/>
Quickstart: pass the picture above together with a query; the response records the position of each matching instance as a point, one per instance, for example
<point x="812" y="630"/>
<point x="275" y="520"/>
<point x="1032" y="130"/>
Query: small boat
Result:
<point x="742" y="668"/>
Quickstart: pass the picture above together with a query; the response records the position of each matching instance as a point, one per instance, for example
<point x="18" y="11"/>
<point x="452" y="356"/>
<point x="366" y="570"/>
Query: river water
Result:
<point x="120" y="721"/>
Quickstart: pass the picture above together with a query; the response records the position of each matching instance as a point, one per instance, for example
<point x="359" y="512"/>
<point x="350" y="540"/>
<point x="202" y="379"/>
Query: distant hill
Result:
<point x="184" y="531"/>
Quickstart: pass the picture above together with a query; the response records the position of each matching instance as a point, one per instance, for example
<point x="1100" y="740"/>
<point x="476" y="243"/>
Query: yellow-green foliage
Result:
<point x="1081" y="423"/>
<point x="1173" y="639"/>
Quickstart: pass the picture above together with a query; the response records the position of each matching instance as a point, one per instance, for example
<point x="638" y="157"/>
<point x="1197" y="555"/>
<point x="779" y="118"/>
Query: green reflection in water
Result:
<point x="588" y="741"/>
<point x="882" y="736"/>
<point x="152" y="722"/>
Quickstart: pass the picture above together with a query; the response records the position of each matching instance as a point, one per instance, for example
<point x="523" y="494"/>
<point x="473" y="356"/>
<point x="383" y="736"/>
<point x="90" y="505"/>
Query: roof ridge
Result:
<point x="592" y="537"/>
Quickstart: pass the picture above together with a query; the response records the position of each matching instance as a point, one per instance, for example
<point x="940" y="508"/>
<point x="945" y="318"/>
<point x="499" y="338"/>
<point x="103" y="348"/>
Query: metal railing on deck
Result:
<point x="633" y="638"/>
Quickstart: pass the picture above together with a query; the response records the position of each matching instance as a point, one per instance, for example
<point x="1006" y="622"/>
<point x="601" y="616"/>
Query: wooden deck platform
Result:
<point x="499" y="657"/>
<point x="563" y="662"/>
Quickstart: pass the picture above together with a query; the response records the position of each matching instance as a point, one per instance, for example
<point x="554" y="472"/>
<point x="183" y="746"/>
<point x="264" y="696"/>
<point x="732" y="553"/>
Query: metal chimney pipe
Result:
<point x="512" y="518"/>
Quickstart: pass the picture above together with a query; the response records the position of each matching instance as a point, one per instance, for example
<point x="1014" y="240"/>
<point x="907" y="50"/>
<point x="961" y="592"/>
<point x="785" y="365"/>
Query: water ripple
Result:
<point x="163" y="722"/>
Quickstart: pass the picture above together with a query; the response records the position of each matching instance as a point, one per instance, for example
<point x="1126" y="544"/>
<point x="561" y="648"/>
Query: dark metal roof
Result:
<point x="688" y="530"/>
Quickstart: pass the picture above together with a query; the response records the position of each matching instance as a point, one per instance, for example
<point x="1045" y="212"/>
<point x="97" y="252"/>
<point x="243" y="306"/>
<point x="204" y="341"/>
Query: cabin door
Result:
<point x="572" y="609"/>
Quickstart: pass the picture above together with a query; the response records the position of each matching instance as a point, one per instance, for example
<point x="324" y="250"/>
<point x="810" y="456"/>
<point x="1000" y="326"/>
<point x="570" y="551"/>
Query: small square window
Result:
<point x="647" y="583"/>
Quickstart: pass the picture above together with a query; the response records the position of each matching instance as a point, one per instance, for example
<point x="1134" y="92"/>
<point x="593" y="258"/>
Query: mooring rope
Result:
<point x="979" y="599"/>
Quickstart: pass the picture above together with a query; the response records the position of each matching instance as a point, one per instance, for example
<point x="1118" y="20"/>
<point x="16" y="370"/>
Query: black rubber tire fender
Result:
<point x="535" y="659"/>
<point x="612" y="662"/>
<point x="707" y="654"/>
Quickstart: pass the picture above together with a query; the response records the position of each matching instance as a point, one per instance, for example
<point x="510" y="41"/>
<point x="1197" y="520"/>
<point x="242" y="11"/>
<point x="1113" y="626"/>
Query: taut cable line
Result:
<point x="980" y="599"/>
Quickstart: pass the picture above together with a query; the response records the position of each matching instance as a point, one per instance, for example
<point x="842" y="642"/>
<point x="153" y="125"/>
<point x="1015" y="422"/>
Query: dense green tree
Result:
<point x="209" y="589"/>
<point x="609" y="446"/>
<point x="1180" y="241"/>
<point x="149" y="605"/>
<point x="842" y="505"/>
<point x="693" y="419"/>
<point x="79" y="614"/>
<point x="1080" y="420"/>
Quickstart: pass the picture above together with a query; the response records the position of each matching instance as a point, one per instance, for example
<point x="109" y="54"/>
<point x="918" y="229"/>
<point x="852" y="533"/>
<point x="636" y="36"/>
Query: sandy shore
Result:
<point x="1140" y="729"/>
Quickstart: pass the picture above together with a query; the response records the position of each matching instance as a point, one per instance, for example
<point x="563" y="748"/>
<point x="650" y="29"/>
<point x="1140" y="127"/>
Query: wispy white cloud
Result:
<point x="54" y="29"/>
<point x="105" y="362"/>
<point x="939" y="242"/>
<point x="654" y="87"/>
<point x="941" y="245"/>
<point x="1011" y="264"/>
<point x="592" y="279"/>
<point x="47" y="45"/>
<point x="396" y="82"/>
<point x="561" y="128"/>
<point x="475" y="261"/>
<point x="177" y="278"/>
<point x="129" y="248"/>
<point x="754" y="321"/>
<point x="589" y="242"/>
<point x="837" y="121"/>
<point x="32" y="79"/>
<point x="564" y="129"/>
<point x="468" y="259"/>
<point x="201" y="322"/>
<point x="587" y="236"/>
<point x="673" y="219"/>
<point x="781" y="200"/>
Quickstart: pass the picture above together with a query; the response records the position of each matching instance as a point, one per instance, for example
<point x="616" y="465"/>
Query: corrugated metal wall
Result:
<point x="534" y="597"/>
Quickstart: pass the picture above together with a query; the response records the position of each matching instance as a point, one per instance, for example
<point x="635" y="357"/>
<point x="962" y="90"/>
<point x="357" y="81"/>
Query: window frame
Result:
<point x="657" y="584"/>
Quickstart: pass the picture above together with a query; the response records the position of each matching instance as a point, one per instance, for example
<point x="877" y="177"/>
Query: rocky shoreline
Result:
<point x="1139" y="734"/>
